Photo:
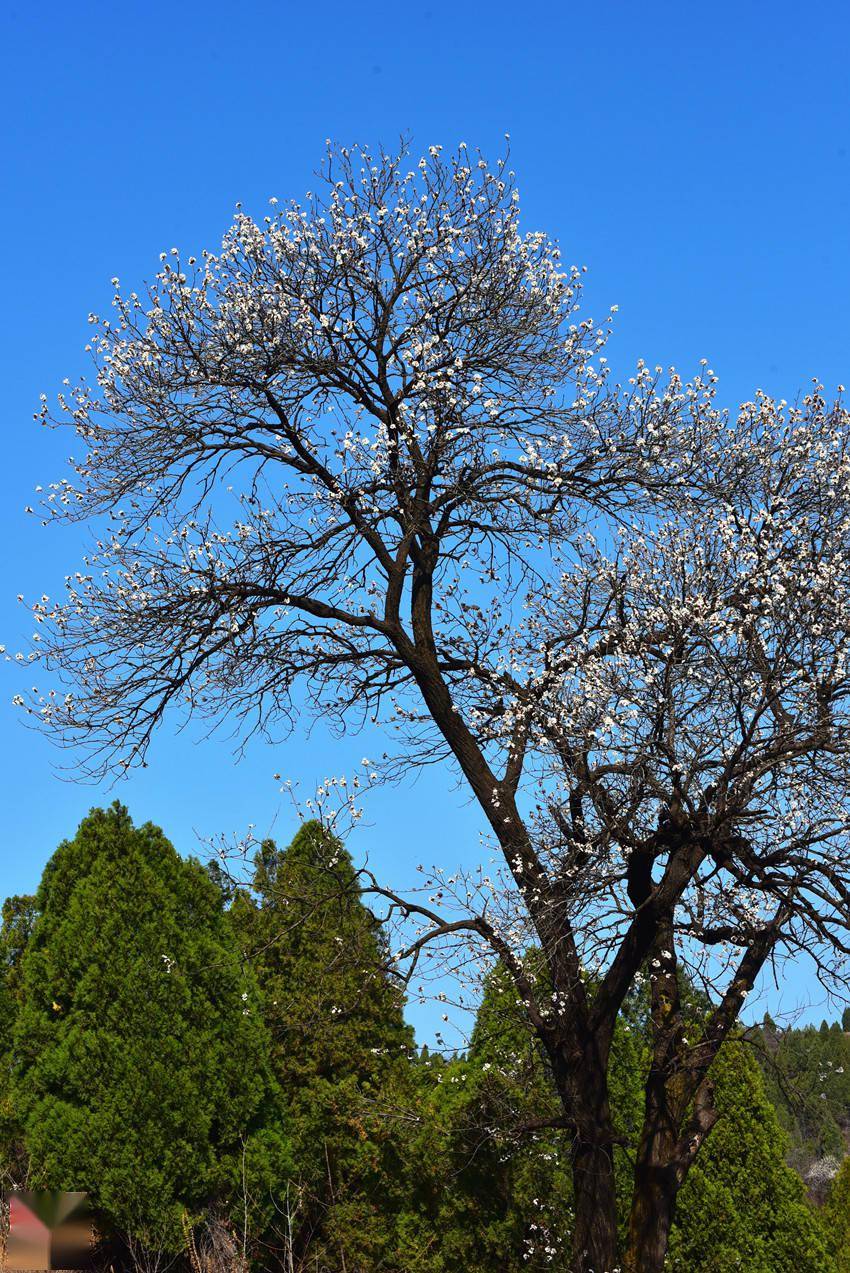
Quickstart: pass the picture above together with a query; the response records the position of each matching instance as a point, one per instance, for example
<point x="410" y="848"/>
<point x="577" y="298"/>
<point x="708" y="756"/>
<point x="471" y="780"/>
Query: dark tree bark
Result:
<point x="624" y="622"/>
<point x="595" y="1232"/>
<point x="653" y="1209"/>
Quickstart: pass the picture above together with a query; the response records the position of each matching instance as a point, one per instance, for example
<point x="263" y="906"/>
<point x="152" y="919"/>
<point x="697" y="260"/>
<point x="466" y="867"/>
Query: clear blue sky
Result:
<point x="695" y="157"/>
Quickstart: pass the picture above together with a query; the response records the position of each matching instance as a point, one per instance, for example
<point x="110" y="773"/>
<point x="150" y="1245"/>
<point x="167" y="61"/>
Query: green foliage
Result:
<point x="484" y="1193"/>
<point x="339" y="1046"/>
<point x="493" y="1188"/>
<point x="140" y="1056"/>
<point x="18" y="918"/>
<point x="741" y="1206"/>
<point x="807" y="1074"/>
<point x="159" y="1029"/>
<point x="836" y="1218"/>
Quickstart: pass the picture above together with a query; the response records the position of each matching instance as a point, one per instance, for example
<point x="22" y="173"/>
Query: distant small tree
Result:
<point x="340" y="1048"/>
<point x="807" y="1075"/>
<point x="622" y="616"/>
<point x="141" y="1060"/>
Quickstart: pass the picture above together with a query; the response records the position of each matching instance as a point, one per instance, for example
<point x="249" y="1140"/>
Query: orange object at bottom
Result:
<point x="49" y="1230"/>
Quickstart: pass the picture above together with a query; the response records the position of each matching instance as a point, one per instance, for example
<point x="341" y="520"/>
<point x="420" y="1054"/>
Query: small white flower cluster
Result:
<point x="367" y="463"/>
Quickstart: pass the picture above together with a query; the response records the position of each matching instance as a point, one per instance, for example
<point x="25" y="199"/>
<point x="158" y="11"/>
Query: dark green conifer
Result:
<point x="742" y="1207"/>
<point x="141" y="1071"/>
<point x="18" y="917"/>
<point x="340" y="1046"/>
<point x="490" y="1183"/>
<point x="836" y="1218"/>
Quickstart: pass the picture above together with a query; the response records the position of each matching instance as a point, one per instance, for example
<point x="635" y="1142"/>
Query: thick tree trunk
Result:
<point x="667" y="1149"/>
<point x="658" y="1164"/>
<point x="595" y="1230"/>
<point x="581" y="1077"/>
<point x="654" y="1202"/>
<point x="579" y="1063"/>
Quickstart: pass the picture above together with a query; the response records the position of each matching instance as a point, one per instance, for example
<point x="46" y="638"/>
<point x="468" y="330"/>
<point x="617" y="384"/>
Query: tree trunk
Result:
<point x="665" y="1154"/>
<point x="595" y="1230"/>
<point x="653" y="1206"/>
<point x="580" y="1072"/>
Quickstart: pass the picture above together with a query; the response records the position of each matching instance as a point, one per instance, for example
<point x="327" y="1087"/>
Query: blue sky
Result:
<point x="695" y="157"/>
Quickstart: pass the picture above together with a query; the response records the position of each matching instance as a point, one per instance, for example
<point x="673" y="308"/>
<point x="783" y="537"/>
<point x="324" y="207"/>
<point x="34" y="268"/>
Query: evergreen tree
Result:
<point x="140" y="1055"/>
<point x="18" y="917"/>
<point x="159" y="1029"/>
<point x="490" y="1195"/>
<point x="340" y="1046"/>
<point x="807" y="1076"/>
<point x="741" y="1206"/>
<point x="836" y="1218"/>
<point x="492" y="1187"/>
<point x="485" y="1190"/>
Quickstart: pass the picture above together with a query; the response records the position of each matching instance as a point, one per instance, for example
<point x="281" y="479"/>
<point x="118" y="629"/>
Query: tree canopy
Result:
<point x="340" y="1048"/>
<point x="134" y="1068"/>
<point x="141" y="1068"/>
<point x="368" y="459"/>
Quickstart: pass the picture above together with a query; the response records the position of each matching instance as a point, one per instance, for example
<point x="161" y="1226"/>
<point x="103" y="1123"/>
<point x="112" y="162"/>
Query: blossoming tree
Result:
<point x="622" y="616"/>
